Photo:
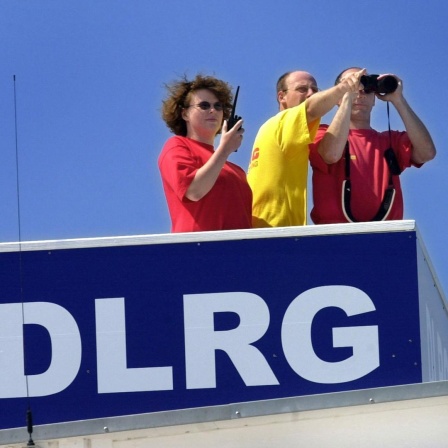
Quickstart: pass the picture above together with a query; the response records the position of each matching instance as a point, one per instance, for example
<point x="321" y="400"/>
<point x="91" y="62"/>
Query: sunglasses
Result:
<point x="205" y="105"/>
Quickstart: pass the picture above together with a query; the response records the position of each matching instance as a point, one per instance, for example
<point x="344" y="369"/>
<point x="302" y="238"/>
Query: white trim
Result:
<point x="200" y="237"/>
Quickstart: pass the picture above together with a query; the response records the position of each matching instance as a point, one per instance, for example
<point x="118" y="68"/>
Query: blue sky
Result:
<point x="89" y="83"/>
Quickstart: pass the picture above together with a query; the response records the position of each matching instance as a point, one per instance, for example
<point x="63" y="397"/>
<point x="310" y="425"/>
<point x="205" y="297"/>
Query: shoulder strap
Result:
<point x="389" y="194"/>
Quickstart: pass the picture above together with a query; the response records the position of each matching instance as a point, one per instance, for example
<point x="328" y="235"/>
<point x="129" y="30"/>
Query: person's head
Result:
<point x="187" y="99"/>
<point x="346" y="72"/>
<point x="362" y="102"/>
<point x="293" y="88"/>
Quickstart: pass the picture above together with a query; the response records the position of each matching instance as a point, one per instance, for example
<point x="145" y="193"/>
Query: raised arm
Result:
<point x="322" y="102"/>
<point x="332" y="145"/>
<point x="423" y="148"/>
<point x="206" y="176"/>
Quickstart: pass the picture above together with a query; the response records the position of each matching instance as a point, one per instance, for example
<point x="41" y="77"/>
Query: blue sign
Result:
<point x="97" y="332"/>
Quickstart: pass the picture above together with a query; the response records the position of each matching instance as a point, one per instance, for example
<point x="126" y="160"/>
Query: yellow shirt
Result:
<point x="278" y="169"/>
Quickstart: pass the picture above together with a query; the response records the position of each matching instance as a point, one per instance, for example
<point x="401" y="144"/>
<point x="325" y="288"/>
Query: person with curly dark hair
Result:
<point x="204" y="191"/>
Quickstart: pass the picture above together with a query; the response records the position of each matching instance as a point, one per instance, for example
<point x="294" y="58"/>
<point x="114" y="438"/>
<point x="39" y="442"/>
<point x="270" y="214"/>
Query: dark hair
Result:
<point x="338" y="78"/>
<point x="281" y="83"/>
<point x="179" y="93"/>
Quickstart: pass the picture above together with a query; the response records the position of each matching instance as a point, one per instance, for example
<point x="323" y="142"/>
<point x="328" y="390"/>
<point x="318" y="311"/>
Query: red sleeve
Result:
<point x="403" y="149"/>
<point x="316" y="160"/>
<point x="178" y="166"/>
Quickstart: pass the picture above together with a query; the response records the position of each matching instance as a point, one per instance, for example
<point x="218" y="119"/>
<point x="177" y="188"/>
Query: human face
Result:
<point x="362" y="103"/>
<point x="202" y="125"/>
<point x="299" y="87"/>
